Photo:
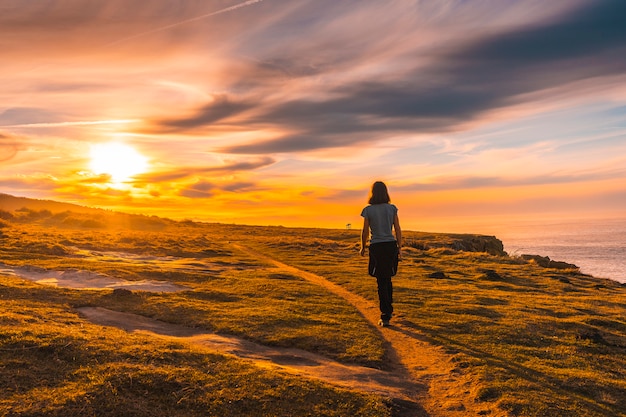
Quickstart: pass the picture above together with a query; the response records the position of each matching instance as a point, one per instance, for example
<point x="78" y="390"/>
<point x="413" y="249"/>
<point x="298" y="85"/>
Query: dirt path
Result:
<point x="430" y="375"/>
<point x="423" y="381"/>
<point x="294" y="361"/>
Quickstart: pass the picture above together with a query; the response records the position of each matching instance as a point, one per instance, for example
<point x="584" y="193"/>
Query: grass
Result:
<point x="542" y="341"/>
<point x="537" y="341"/>
<point x="55" y="364"/>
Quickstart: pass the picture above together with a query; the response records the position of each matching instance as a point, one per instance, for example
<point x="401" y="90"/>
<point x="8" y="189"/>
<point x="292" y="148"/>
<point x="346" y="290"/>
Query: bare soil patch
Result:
<point x="78" y="279"/>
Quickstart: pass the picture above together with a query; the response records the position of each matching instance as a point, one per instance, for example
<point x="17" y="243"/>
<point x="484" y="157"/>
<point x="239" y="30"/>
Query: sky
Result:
<point x="276" y="112"/>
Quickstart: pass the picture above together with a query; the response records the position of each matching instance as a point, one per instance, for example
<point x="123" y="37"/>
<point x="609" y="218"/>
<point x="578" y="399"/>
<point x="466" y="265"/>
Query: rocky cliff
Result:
<point x="458" y="242"/>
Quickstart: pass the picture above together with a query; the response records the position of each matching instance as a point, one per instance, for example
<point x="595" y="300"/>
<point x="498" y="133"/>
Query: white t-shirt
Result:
<point x="381" y="218"/>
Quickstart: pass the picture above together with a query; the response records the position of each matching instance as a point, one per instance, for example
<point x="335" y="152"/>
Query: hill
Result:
<point x="53" y="213"/>
<point x="13" y="203"/>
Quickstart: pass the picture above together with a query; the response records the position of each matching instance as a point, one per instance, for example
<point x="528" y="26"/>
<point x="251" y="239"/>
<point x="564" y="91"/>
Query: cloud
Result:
<point x="25" y="185"/>
<point x="50" y="86"/>
<point x="186" y="172"/>
<point x="462" y="83"/>
<point x="200" y="189"/>
<point x="104" y="179"/>
<point x="344" y="195"/>
<point x="8" y="148"/>
<point x="34" y="30"/>
<point x="238" y="186"/>
<point x="23" y="115"/>
<point x="591" y="30"/>
<point x="187" y="21"/>
<point x="465" y="182"/>
<point x="205" y="189"/>
<point x="221" y="107"/>
<point x="350" y="90"/>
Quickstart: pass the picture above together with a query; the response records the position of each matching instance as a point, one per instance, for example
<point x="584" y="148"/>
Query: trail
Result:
<point x="442" y="388"/>
<point x="421" y="379"/>
<point x="293" y="361"/>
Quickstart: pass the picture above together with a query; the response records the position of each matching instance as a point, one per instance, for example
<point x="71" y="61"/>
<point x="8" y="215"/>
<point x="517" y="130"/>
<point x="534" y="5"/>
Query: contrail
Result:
<point x="193" y="19"/>
<point x="82" y="123"/>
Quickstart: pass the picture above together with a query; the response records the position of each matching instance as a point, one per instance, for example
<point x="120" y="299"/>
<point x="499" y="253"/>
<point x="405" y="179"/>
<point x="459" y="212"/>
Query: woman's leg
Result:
<point x="381" y="257"/>
<point x="385" y="297"/>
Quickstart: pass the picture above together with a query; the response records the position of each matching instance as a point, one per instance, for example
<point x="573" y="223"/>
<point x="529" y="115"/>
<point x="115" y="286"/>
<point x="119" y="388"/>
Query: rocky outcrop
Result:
<point x="546" y="262"/>
<point x="456" y="242"/>
<point x="478" y="243"/>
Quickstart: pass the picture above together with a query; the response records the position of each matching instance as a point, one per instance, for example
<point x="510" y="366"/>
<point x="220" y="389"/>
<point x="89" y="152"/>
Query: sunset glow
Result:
<point x="119" y="161"/>
<point x="284" y="113"/>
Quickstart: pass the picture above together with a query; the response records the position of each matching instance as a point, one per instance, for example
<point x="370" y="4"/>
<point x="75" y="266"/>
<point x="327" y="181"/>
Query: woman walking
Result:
<point x="381" y="218"/>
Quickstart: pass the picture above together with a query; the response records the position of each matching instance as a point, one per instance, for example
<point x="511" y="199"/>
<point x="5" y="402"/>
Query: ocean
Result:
<point x="598" y="247"/>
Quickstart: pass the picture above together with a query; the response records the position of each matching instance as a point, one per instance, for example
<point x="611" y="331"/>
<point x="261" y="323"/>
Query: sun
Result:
<point x="117" y="160"/>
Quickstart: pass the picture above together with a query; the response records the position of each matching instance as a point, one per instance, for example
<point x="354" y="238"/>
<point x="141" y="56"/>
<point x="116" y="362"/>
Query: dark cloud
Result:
<point x="587" y="31"/>
<point x="26" y="115"/>
<point x="296" y="142"/>
<point x="238" y="186"/>
<point x="222" y="107"/>
<point x="344" y="195"/>
<point x="200" y="189"/>
<point x="464" y="83"/>
<point x="205" y="189"/>
<point x="191" y="193"/>
<point x="186" y="172"/>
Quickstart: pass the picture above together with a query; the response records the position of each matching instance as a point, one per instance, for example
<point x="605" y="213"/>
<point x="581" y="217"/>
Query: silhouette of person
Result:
<point x="381" y="218"/>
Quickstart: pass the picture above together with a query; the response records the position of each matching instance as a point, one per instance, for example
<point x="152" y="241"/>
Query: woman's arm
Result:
<point x="398" y="230"/>
<point x="365" y="234"/>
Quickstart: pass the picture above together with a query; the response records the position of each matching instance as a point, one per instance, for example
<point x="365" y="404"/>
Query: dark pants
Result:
<point x="383" y="264"/>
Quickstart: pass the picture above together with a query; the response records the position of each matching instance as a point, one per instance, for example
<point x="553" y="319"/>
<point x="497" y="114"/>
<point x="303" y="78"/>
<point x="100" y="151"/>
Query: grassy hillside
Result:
<point x="12" y="203"/>
<point x="528" y="340"/>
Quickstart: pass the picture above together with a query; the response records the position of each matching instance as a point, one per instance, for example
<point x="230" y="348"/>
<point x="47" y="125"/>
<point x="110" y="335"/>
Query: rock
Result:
<point x="561" y="278"/>
<point x="478" y="243"/>
<point x="455" y="407"/>
<point x="492" y="275"/>
<point x="546" y="262"/>
<point x="561" y="265"/>
<point x="457" y="242"/>
<point x="437" y="274"/>
<point x="122" y="292"/>
<point x="592" y="335"/>
<point x="416" y="245"/>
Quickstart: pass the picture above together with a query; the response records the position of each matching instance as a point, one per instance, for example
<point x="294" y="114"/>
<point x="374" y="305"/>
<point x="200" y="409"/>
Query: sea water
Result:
<point x="598" y="247"/>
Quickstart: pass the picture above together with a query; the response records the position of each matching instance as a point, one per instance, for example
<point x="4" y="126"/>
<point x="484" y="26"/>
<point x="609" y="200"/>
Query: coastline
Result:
<point x="596" y="246"/>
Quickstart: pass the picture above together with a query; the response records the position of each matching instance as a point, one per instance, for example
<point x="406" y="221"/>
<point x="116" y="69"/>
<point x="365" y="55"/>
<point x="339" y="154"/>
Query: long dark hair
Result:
<point x="379" y="195"/>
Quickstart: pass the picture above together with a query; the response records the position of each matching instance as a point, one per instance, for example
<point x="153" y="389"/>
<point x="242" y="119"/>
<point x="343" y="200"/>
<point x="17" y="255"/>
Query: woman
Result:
<point x="381" y="218"/>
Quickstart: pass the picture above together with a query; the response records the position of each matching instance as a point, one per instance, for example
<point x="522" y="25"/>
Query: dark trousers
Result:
<point x="385" y="297"/>
<point x="383" y="264"/>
